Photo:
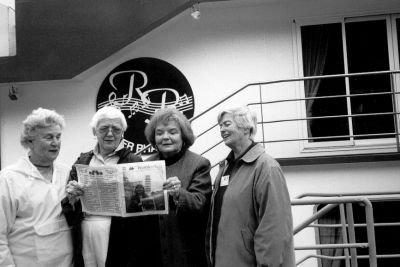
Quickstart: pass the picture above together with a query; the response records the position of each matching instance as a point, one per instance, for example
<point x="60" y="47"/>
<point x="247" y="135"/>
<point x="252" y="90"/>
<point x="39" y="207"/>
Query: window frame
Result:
<point x="351" y="145"/>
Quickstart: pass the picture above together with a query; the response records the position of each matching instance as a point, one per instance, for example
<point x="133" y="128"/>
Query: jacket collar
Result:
<point x="253" y="153"/>
<point x="250" y="156"/>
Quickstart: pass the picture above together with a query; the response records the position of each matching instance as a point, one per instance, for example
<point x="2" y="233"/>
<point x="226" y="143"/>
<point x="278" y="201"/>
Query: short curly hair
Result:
<point x="163" y="116"/>
<point x="39" y="118"/>
<point x="244" y="118"/>
<point x="108" y="112"/>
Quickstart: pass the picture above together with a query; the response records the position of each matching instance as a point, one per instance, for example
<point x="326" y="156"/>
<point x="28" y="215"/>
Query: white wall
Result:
<point x="233" y="44"/>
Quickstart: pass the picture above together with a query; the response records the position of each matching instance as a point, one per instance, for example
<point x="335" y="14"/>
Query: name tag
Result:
<point x="224" y="180"/>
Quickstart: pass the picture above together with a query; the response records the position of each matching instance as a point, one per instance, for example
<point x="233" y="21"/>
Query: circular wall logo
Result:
<point x="140" y="87"/>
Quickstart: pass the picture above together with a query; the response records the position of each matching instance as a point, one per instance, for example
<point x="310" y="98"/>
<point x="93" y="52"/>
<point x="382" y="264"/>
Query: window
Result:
<point x="386" y="234"/>
<point x="7" y="28"/>
<point x="339" y="112"/>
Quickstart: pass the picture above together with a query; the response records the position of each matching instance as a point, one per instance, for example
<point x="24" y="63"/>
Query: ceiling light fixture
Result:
<point x="195" y="11"/>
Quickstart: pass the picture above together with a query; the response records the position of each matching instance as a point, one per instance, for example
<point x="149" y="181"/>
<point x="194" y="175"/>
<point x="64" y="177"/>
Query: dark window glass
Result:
<point x="367" y="50"/>
<point x="323" y="55"/>
<point x="398" y="35"/>
<point x="386" y="237"/>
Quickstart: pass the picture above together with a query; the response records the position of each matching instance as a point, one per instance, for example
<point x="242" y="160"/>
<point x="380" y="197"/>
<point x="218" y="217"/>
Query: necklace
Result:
<point x="42" y="166"/>
<point x="45" y="171"/>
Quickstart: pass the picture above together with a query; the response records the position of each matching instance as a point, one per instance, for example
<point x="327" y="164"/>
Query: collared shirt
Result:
<point x="96" y="228"/>
<point x="110" y="159"/>
<point x="97" y="161"/>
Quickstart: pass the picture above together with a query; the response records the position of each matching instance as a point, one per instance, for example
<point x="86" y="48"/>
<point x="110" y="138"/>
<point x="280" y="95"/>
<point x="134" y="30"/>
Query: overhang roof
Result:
<point x="58" y="39"/>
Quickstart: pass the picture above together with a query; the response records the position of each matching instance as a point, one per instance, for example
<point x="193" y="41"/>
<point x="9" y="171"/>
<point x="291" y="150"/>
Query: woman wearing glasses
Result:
<point x="91" y="233"/>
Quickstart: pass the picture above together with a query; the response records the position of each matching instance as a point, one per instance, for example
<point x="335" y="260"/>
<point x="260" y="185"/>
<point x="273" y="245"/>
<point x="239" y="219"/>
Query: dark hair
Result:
<point x="165" y="115"/>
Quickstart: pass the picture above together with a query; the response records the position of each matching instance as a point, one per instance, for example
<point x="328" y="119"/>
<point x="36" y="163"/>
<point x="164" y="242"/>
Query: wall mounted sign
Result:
<point x="141" y="86"/>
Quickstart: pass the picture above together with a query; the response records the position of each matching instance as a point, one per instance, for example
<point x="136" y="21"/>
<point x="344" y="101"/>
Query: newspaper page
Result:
<point x="131" y="189"/>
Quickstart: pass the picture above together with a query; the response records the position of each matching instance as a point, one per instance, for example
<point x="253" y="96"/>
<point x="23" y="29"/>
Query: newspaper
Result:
<point x="131" y="189"/>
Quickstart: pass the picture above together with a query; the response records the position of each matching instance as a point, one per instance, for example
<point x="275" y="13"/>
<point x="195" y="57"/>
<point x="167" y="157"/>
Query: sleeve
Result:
<point x="273" y="238"/>
<point x="72" y="213"/>
<point x="8" y="214"/>
<point x="135" y="158"/>
<point x="197" y="196"/>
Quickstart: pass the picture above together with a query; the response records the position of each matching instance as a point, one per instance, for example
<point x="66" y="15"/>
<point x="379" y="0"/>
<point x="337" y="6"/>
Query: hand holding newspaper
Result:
<point x="131" y="189"/>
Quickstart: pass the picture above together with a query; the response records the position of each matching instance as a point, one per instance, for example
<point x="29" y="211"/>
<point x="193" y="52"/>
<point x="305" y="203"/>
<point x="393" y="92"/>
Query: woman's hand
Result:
<point x="74" y="191"/>
<point x="172" y="185"/>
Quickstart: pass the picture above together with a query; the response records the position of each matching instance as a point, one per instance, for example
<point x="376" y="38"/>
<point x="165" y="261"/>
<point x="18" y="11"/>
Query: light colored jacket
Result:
<point x="255" y="227"/>
<point x="33" y="232"/>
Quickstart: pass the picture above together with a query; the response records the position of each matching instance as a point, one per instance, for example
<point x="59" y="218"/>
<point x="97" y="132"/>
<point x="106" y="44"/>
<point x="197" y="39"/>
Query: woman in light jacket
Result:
<point x="250" y="222"/>
<point x="33" y="231"/>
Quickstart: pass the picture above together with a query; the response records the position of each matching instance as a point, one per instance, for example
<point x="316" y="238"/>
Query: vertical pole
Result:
<point x="344" y="234"/>
<point x="395" y="116"/>
<point x="262" y="115"/>
<point x="352" y="235"/>
<point x="369" y="216"/>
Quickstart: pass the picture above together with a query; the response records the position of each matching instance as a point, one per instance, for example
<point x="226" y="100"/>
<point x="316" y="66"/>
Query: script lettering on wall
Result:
<point x="140" y="87"/>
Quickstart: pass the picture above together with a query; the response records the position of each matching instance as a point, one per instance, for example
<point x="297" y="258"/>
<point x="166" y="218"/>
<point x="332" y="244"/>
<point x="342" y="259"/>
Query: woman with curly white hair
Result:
<point x="33" y="231"/>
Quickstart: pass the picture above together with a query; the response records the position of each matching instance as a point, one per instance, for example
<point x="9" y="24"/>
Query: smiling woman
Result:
<point x="250" y="217"/>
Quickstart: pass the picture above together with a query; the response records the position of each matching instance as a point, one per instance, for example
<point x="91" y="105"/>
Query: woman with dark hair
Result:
<point x="175" y="239"/>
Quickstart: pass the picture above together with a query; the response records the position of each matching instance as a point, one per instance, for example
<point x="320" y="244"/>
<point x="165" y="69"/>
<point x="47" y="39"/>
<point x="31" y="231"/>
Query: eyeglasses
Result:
<point x="106" y="129"/>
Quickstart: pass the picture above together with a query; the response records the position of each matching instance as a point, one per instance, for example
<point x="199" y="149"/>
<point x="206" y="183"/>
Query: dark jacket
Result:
<point x="74" y="215"/>
<point x="176" y="239"/>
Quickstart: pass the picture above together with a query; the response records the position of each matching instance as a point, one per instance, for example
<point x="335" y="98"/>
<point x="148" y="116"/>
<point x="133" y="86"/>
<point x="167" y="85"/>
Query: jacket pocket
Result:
<point x="248" y="240"/>
<point x="53" y="243"/>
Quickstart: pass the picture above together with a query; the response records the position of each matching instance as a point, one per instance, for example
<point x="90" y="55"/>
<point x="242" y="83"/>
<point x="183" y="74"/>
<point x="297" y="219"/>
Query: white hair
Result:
<point x="108" y="112"/>
<point x="39" y="118"/>
<point x="244" y="118"/>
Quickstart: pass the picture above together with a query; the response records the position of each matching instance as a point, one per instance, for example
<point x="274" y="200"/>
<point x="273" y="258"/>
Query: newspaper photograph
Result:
<point x="131" y="189"/>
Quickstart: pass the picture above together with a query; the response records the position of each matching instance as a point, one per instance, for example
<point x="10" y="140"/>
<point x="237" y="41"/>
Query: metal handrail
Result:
<point x="337" y="225"/>
<point x="395" y="114"/>
<point x="347" y="194"/>
<point x="346" y="227"/>
<point x="387" y="256"/>
<point x="331" y="203"/>
<point x="322" y="97"/>
<point x="284" y="81"/>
